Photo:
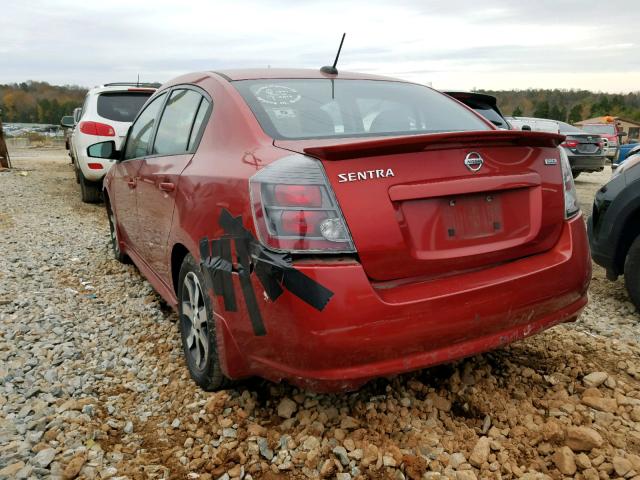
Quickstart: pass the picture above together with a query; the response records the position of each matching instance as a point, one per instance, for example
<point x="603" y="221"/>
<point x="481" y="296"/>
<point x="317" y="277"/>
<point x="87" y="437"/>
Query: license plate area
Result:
<point x="469" y="224"/>
<point x="472" y="216"/>
<point x="587" y="148"/>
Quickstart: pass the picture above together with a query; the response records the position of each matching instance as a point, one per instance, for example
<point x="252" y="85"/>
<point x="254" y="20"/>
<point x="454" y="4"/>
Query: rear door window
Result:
<point x="141" y="130"/>
<point x="121" y="106"/>
<point x="174" y="129"/>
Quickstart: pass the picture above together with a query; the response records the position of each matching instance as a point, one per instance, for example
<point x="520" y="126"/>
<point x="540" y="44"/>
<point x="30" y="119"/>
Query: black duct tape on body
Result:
<point x="274" y="270"/>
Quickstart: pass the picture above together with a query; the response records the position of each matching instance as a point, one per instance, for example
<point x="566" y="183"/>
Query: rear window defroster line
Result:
<point x="274" y="271"/>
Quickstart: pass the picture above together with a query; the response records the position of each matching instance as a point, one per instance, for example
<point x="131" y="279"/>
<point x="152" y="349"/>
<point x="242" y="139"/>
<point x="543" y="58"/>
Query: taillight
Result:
<point x="97" y="128"/>
<point x="298" y="195"/>
<point x="295" y="210"/>
<point x="571" y="205"/>
<point x="570" y="143"/>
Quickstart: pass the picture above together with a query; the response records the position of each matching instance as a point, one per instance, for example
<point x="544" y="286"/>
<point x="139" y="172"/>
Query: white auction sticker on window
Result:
<point x="284" y="113"/>
<point x="277" y="95"/>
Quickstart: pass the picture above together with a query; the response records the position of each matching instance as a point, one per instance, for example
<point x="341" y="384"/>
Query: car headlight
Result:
<point x="571" y="205"/>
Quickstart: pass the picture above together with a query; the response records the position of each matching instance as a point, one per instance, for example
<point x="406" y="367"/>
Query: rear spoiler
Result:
<point x="416" y="143"/>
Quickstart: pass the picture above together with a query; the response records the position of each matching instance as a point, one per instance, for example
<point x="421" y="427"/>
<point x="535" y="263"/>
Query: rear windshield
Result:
<point x="536" y="125"/>
<point x="601" y="129"/>
<point x="319" y="108"/>
<point x="566" y="128"/>
<point x="121" y="106"/>
<point x="490" y="114"/>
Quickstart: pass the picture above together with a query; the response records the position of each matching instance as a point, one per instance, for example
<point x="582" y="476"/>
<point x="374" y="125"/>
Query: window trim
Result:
<point x="205" y="121"/>
<point x="151" y="99"/>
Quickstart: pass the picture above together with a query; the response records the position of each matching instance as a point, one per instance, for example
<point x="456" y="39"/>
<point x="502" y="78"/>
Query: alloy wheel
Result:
<point x="194" y="321"/>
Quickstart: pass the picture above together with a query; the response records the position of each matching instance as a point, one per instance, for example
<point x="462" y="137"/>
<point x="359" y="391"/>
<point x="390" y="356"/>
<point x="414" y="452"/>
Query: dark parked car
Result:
<point x="331" y="228"/>
<point x="614" y="227"/>
<point x="485" y="105"/>
<point x="585" y="150"/>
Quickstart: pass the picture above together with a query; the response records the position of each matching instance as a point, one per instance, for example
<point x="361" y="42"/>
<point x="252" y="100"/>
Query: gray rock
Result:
<point x="265" y="451"/>
<point x="342" y="455"/>
<point x="44" y="457"/>
<point x="229" y="432"/>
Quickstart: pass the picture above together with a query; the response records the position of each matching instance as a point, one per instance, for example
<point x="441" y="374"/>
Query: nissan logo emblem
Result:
<point x="473" y="161"/>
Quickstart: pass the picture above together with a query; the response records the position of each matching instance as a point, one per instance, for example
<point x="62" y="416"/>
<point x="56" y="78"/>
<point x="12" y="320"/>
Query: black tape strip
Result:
<point x="228" y="292"/>
<point x="213" y="264"/>
<point x="205" y="251"/>
<point x="216" y="262"/>
<point x="242" y="251"/>
<point x="307" y="289"/>
<point x="274" y="270"/>
<point x="270" y="277"/>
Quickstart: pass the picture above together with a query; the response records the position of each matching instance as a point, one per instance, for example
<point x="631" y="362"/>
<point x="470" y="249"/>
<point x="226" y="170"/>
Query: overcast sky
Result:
<point x="455" y="44"/>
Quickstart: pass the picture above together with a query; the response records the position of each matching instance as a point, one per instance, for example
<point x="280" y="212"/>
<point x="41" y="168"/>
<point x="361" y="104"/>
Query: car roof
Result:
<point x="275" y="73"/>
<point x="122" y="88"/>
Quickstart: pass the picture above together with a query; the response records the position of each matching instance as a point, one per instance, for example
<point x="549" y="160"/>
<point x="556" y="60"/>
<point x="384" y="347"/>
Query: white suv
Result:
<point x="106" y="114"/>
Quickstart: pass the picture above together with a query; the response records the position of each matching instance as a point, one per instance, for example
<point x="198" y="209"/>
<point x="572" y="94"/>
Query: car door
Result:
<point x="125" y="172"/>
<point x="175" y="142"/>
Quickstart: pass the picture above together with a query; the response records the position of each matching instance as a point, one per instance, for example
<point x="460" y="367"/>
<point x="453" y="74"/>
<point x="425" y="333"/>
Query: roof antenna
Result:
<point x="138" y="82"/>
<point x="333" y="70"/>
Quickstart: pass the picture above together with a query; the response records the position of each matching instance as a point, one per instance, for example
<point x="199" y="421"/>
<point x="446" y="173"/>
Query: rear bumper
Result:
<point x="585" y="163"/>
<point x="367" y="331"/>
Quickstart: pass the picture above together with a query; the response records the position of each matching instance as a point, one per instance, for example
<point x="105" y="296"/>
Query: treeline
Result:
<point x="567" y="105"/>
<point x="38" y="102"/>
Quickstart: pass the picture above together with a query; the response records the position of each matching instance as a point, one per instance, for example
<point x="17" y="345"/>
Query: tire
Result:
<point x="632" y="272"/>
<point x="89" y="191"/>
<point x="575" y="174"/>
<point x="198" y="335"/>
<point x="115" y="241"/>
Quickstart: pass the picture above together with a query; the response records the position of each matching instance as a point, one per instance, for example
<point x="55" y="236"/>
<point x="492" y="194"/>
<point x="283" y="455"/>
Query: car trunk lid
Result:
<point x="584" y="144"/>
<point x="433" y="205"/>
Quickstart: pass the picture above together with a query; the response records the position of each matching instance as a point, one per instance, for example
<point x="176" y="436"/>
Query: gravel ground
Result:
<point x="92" y="381"/>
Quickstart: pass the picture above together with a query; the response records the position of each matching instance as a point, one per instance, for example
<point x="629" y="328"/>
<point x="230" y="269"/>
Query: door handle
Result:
<point x="132" y="183"/>
<point x="166" y="186"/>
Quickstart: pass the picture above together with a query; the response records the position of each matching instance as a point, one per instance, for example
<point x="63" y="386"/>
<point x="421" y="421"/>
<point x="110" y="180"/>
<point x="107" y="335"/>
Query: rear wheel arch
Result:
<point x="178" y="253"/>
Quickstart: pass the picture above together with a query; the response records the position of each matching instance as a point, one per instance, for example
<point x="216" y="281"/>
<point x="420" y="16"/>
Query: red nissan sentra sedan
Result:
<point x="329" y="229"/>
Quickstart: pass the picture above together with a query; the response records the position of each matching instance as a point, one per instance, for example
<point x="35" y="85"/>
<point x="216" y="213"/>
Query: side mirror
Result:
<point x="67" y="121"/>
<point x="526" y="128"/>
<point x="104" y="150"/>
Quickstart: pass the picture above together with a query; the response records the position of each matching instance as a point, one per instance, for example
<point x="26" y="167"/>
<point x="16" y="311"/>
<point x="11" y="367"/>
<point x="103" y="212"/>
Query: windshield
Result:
<point x="319" y="108"/>
<point x="121" y="106"/>
<point x="601" y="129"/>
